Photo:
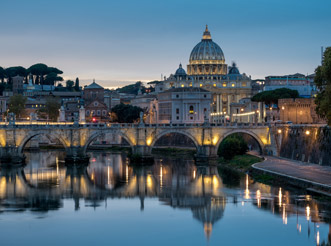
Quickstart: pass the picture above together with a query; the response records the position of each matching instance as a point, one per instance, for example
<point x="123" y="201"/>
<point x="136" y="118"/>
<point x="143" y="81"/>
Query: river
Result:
<point x="173" y="202"/>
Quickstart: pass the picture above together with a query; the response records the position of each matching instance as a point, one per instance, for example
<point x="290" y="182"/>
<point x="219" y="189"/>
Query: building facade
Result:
<point x="299" y="111"/>
<point x="207" y="70"/>
<point x="184" y="105"/>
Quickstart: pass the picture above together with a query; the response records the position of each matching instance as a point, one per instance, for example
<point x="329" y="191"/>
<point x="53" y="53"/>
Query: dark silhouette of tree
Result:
<point x="51" y="108"/>
<point x="52" y="78"/>
<point x="39" y="70"/>
<point x="69" y="85"/>
<point x="271" y="97"/>
<point x="323" y="83"/>
<point x="77" y="84"/>
<point x="126" y="113"/>
<point x="2" y="74"/>
<point x="16" y="105"/>
<point x="231" y="146"/>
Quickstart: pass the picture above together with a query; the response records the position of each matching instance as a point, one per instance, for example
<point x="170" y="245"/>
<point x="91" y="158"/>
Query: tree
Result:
<point x="51" y="108"/>
<point x="133" y="88"/>
<point x="52" y="78"/>
<point x="271" y="97"/>
<point x="69" y="84"/>
<point x="126" y="113"/>
<point x="323" y="83"/>
<point x="39" y="70"/>
<point x="231" y="146"/>
<point x="16" y="105"/>
<point x="77" y="84"/>
<point x="2" y="74"/>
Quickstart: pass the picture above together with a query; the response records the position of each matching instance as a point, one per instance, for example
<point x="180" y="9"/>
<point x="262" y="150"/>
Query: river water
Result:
<point x="173" y="202"/>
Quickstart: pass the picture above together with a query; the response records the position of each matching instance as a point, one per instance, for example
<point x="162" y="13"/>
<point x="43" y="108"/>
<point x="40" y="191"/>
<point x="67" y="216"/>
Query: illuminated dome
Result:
<point x="180" y="71"/>
<point x="207" y="49"/>
<point x="207" y="58"/>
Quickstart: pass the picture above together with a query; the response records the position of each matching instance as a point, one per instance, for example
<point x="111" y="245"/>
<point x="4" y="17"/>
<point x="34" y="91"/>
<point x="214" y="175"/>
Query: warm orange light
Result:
<point x="279" y="131"/>
<point x="307" y="132"/>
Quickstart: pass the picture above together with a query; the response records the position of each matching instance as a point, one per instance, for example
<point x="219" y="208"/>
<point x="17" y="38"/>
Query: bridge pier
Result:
<point x="142" y="154"/>
<point x="206" y="155"/>
<point x="76" y="156"/>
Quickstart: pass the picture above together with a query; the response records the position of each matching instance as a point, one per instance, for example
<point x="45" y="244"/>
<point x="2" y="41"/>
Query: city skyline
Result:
<point x="116" y="44"/>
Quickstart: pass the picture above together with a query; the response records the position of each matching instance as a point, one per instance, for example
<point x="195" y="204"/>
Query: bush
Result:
<point x="231" y="146"/>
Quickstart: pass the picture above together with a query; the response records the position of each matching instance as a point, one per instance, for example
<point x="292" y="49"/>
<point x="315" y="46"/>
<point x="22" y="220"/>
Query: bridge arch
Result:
<point x="185" y="133"/>
<point x="49" y="135"/>
<point x="98" y="134"/>
<point x="250" y="133"/>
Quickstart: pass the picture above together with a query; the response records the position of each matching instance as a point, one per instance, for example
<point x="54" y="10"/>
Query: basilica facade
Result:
<point x="208" y="70"/>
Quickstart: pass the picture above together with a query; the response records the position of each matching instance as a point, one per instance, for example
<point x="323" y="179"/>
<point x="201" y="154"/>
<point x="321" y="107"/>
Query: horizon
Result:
<point x="116" y="44"/>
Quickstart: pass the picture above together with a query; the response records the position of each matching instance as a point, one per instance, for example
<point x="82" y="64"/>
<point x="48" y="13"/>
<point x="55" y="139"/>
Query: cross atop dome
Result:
<point x="206" y="34"/>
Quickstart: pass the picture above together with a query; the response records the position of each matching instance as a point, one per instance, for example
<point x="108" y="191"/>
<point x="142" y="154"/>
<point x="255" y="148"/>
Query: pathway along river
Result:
<point x="172" y="202"/>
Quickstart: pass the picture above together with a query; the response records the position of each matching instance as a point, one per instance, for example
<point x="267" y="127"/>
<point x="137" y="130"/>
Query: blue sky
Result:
<point x="116" y="42"/>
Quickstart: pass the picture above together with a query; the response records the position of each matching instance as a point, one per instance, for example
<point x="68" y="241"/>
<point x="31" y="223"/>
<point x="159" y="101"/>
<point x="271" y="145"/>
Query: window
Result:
<point x="104" y="112"/>
<point x="182" y="85"/>
<point x="200" y="85"/>
<point x="191" y="110"/>
<point x="177" y="117"/>
<point x="177" y="96"/>
<point x="177" y="110"/>
<point x="204" y="110"/>
<point x="224" y="84"/>
<point x="214" y="85"/>
<point x="98" y="112"/>
<point x="204" y="95"/>
<point x="95" y="103"/>
<point x="233" y="85"/>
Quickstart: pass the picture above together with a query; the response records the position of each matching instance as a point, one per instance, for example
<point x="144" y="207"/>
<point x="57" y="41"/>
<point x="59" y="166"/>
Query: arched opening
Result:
<point x="107" y="140"/>
<point x="239" y="143"/>
<point x="174" y="142"/>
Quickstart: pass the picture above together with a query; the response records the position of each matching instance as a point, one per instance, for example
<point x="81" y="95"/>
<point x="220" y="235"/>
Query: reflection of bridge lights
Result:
<point x="149" y="181"/>
<point x="318" y="238"/>
<point x="258" y="198"/>
<point x="246" y="190"/>
<point x="161" y="176"/>
<point x="194" y="174"/>
<point x="284" y="215"/>
<point x="92" y="177"/>
<point x="93" y="160"/>
<point x="280" y="197"/>
<point x="308" y="212"/>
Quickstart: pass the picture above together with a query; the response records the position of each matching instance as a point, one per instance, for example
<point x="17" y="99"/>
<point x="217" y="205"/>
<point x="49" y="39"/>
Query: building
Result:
<point x="303" y="84"/>
<point x="18" y="84"/>
<point x="95" y="107"/>
<point x="111" y="98"/>
<point x="207" y="70"/>
<point x="184" y="105"/>
<point x="299" y="111"/>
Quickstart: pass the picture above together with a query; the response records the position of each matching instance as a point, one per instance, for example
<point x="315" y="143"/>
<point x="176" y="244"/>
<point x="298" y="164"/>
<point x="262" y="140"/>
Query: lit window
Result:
<point x="214" y="85"/>
<point x="224" y="84"/>
<point x="191" y="110"/>
<point x="200" y="85"/>
<point x="182" y="85"/>
<point x="233" y="85"/>
<point x="191" y="84"/>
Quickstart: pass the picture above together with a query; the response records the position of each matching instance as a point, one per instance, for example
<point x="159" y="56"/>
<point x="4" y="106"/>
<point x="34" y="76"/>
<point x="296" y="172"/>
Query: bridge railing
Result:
<point x="25" y="124"/>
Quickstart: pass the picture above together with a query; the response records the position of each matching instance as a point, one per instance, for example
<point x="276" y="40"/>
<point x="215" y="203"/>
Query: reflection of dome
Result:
<point x="207" y="49"/>
<point x="180" y="71"/>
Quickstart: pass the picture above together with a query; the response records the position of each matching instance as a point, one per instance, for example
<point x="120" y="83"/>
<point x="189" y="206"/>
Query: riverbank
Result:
<point x="311" y="177"/>
<point x="241" y="163"/>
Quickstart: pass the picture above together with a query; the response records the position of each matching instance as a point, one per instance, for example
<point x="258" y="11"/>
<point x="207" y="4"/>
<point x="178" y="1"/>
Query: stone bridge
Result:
<point x="142" y="137"/>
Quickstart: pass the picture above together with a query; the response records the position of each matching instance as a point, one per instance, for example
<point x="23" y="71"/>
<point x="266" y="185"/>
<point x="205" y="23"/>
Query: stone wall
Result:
<point x="306" y="143"/>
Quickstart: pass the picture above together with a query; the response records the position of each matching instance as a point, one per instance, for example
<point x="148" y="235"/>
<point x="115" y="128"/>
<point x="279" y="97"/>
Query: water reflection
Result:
<point x="45" y="182"/>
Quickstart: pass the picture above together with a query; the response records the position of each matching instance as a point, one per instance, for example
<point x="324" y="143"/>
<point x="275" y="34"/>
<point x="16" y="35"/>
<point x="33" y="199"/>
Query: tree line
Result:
<point x="39" y="73"/>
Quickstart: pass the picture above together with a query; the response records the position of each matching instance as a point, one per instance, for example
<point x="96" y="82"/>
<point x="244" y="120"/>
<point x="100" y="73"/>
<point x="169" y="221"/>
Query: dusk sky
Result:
<point x="117" y="42"/>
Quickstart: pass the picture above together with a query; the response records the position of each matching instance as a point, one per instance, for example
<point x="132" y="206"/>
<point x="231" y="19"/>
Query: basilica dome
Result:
<point x="207" y="58"/>
<point x="180" y="71"/>
<point x="207" y="49"/>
